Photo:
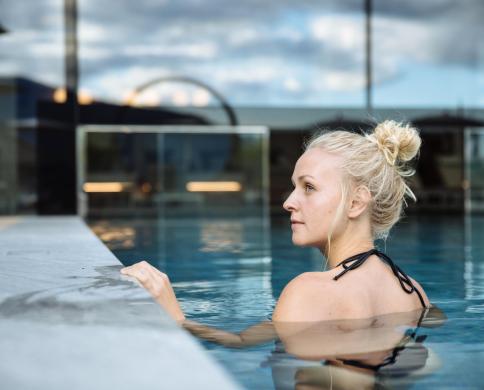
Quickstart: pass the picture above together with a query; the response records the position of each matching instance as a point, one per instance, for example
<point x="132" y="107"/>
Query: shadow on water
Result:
<point x="101" y="296"/>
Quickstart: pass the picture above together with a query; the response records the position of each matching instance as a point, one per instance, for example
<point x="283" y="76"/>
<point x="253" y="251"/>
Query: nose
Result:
<point x="290" y="203"/>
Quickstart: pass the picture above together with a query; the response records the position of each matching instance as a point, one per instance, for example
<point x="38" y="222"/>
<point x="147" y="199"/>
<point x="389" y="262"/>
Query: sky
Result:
<point x="256" y="53"/>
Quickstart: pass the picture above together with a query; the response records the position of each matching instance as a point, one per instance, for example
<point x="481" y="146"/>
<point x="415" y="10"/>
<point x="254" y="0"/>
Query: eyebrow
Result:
<point x="302" y="177"/>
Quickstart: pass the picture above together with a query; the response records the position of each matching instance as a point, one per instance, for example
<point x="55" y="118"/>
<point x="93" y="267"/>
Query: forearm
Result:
<point x="215" y="335"/>
<point x="159" y="286"/>
<point x="254" y="335"/>
<point x="172" y="308"/>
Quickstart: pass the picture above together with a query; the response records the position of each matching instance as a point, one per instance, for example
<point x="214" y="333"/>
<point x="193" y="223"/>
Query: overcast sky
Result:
<point x="257" y="53"/>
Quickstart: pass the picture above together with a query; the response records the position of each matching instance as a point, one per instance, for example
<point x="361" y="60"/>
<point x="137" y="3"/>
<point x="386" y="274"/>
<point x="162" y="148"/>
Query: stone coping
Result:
<point x="70" y="320"/>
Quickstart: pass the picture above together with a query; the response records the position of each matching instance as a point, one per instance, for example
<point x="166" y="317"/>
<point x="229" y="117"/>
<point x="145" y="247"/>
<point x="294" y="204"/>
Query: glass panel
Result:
<point x="475" y="169"/>
<point x="428" y="53"/>
<point x="205" y="186"/>
<point x="473" y="256"/>
<point x="474" y="221"/>
<point x="31" y="47"/>
<point x="307" y="53"/>
<point x="439" y="180"/>
<point x="169" y="171"/>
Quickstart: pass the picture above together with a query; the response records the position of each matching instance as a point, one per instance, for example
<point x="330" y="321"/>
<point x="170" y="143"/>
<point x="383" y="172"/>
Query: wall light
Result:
<point x="60" y="95"/>
<point x="104" y="187"/>
<point x="213" y="186"/>
<point x="83" y="97"/>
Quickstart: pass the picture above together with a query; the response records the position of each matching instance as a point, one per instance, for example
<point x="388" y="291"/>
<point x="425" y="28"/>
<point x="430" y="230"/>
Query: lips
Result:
<point x="295" y="221"/>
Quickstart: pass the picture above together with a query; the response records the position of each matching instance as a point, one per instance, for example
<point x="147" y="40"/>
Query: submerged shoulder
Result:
<point x="311" y="296"/>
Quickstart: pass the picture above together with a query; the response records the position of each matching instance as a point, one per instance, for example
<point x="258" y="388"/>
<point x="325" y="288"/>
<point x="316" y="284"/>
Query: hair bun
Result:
<point x="398" y="142"/>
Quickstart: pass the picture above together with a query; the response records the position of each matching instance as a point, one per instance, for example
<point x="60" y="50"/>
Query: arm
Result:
<point x="257" y="334"/>
<point x="159" y="286"/>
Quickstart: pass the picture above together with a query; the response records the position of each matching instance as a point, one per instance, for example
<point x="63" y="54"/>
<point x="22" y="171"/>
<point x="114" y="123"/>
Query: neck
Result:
<point x="354" y="237"/>
<point x="341" y="249"/>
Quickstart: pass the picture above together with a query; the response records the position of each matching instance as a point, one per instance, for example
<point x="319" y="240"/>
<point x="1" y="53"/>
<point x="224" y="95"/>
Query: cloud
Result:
<point x="199" y="50"/>
<point x="251" y="51"/>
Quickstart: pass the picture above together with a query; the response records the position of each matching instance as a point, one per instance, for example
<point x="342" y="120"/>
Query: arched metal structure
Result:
<point x="188" y="80"/>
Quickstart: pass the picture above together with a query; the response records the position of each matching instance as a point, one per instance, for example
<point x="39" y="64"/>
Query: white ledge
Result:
<point x="69" y="320"/>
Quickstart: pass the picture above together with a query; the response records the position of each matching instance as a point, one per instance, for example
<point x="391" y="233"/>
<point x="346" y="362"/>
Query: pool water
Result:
<point x="228" y="274"/>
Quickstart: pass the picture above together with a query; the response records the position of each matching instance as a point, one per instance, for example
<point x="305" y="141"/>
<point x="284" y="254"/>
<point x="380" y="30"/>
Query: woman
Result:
<point x="349" y="190"/>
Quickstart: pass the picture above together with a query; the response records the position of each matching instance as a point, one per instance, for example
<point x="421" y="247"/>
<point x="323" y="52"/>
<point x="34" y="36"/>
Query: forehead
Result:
<point x="318" y="163"/>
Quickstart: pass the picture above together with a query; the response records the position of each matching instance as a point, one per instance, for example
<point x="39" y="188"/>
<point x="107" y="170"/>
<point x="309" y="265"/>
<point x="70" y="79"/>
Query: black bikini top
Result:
<point x="410" y="334"/>
<point x="355" y="261"/>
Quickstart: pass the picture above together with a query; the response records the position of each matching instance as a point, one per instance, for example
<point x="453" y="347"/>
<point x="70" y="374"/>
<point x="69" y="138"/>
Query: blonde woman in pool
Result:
<point x="349" y="190"/>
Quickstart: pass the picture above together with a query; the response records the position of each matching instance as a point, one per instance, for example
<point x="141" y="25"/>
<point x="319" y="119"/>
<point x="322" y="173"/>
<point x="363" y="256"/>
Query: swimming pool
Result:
<point x="228" y="273"/>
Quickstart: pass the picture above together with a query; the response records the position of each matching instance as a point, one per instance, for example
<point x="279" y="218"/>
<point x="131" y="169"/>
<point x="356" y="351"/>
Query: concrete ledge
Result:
<point x="68" y="319"/>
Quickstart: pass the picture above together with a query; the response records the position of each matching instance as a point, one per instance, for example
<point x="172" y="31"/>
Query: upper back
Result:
<point x="368" y="291"/>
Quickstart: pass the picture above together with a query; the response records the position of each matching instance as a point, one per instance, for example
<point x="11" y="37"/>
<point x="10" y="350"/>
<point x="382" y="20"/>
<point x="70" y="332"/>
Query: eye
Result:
<point x="308" y="187"/>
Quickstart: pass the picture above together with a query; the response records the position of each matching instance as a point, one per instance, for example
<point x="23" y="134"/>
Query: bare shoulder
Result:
<point x="422" y="292"/>
<point x="310" y="296"/>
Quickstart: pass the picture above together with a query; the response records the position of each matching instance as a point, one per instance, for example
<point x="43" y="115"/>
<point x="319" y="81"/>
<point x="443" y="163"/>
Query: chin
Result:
<point x="298" y="241"/>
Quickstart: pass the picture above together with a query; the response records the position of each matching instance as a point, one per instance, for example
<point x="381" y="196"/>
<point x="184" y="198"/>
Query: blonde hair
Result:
<point x="379" y="161"/>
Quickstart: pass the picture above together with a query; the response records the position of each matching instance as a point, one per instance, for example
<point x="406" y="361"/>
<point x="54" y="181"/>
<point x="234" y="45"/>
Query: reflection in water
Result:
<point x="115" y="237"/>
<point x="473" y="274"/>
<point x="221" y="236"/>
<point x="234" y="290"/>
<point x="5" y="222"/>
<point x="379" y="352"/>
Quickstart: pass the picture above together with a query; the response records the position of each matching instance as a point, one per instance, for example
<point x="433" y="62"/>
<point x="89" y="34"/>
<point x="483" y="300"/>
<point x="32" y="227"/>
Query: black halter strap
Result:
<point x="355" y="261"/>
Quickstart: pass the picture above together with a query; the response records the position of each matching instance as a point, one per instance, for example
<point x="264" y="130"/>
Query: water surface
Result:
<point x="228" y="274"/>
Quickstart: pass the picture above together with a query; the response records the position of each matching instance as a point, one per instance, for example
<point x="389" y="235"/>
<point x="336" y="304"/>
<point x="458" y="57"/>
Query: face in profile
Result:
<point x="314" y="202"/>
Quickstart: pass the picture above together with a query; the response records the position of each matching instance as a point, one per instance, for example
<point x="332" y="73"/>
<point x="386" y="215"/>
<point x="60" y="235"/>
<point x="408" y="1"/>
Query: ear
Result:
<point x="359" y="201"/>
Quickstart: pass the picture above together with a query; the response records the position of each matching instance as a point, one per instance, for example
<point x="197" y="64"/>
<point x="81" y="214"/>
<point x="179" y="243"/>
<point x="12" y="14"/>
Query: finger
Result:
<point x="155" y="272"/>
<point x="137" y="273"/>
<point x="128" y="270"/>
<point x="141" y="264"/>
<point x="152" y="271"/>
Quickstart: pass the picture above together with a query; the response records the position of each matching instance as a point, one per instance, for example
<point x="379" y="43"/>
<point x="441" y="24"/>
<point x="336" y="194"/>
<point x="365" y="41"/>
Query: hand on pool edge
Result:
<point x="158" y="285"/>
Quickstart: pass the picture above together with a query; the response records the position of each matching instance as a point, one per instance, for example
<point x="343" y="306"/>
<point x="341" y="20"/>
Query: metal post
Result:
<point x="70" y="56"/>
<point x="368" y="35"/>
<point x="71" y="104"/>
<point x="56" y="133"/>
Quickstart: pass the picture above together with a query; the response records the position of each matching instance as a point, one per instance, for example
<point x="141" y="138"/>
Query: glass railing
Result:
<point x="173" y="171"/>
<point x="474" y="170"/>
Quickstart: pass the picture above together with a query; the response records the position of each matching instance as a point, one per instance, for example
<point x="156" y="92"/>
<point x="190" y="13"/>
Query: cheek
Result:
<point x="324" y="210"/>
<point x="326" y="205"/>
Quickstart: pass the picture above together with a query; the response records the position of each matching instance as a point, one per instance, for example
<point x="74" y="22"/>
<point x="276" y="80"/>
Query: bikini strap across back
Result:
<point x="355" y="261"/>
